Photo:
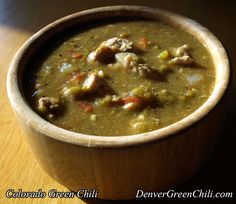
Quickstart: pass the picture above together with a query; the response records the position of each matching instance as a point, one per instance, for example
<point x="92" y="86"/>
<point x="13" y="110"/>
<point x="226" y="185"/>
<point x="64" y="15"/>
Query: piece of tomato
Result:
<point x="143" y="43"/>
<point x="77" y="55"/>
<point x="132" y="99"/>
<point x="86" y="107"/>
<point x="77" y="76"/>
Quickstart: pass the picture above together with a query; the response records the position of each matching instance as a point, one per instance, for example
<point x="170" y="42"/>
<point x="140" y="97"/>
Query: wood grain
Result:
<point x="19" y="20"/>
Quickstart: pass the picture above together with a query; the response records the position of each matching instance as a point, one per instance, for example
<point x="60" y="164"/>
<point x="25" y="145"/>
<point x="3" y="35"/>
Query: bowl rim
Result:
<point x="34" y="121"/>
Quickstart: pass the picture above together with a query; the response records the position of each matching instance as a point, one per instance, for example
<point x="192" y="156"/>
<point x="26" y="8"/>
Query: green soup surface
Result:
<point x="120" y="78"/>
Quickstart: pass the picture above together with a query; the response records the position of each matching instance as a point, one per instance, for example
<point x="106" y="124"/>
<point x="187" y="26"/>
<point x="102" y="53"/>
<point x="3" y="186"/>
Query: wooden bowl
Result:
<point x="117" y="166"/>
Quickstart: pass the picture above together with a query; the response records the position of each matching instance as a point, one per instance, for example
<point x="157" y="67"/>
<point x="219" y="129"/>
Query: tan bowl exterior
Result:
<point x="118" y="166"/>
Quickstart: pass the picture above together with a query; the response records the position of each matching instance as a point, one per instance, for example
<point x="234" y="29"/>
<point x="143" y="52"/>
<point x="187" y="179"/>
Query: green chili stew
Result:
<point x="120" y="78"/>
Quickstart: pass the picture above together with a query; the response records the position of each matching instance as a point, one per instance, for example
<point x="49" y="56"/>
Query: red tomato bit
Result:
<point x="86" y="107"/>
<point x="77" y="55"/>
<point x="132" y="99"/>
<point x="143" y="43"/>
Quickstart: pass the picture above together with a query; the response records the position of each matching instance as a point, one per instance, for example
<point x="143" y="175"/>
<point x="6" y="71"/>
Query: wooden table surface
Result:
<point x="20" y="19"/>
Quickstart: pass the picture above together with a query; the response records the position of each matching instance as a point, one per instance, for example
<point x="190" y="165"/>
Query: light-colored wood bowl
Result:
<point x="118" y="166"/>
